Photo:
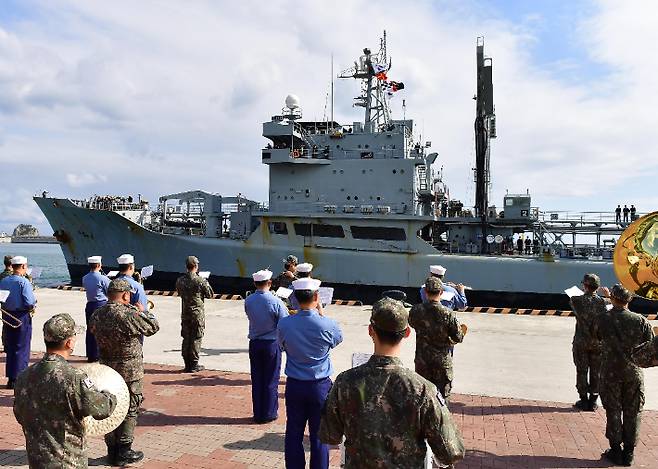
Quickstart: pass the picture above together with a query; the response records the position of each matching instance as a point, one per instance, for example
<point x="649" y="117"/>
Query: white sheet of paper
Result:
<point x="4" y="294"/>
<point x="573" y="291"/>
<point x="359" y="358"/>
<point x="204" y="274"/>
<point x="326" y="295"/>
<point x="608" y="306"/>
<point x="147" y="271"/>
<point x="35" y="272"/>
<point x="112" y="273"/>
<point x="447" y="295"/>
<point x="283" y="292"/>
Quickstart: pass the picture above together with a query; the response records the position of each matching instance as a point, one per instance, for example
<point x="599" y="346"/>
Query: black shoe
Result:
<point x="591" y="403"/>
<point x="613" y="455"/>
<point x="627" y="457"/>
<point x="194" y="367"/>
<point x="111" y="454"/>
<point x="582" y="403"/>
<point x="263" y="421"/>
<point x="125" y="455"/>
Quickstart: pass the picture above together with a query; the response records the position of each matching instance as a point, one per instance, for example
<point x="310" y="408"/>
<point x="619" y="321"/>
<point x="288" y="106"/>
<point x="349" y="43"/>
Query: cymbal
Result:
<point x="635" y="259"/>
<point x="106" y="379"/>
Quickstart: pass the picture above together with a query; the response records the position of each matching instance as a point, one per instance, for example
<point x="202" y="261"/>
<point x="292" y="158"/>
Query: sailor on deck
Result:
<point x="264" y="311"/>
<point x="20" y="304"/>
<point x="126" y="271"/>
<point x="458" y="300"/>
<point x="307" y="338"/>
<point x="95" y="285"/>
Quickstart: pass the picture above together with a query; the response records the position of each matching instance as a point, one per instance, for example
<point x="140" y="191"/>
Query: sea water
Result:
<point x="48" y="257"/>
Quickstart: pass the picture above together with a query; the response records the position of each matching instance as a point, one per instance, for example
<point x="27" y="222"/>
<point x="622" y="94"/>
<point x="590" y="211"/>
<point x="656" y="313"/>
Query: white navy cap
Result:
<point x="94" y="259"/>
<point x="305" y="267"/>
<point x="126" y="259"/>
<point x="18" y="260"/>
<point x="262" y="275"/>
<point x="311" y="284"/>
<point x="437" y="269"/>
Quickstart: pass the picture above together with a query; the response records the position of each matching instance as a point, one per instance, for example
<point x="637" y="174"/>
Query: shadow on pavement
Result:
<point x="150" y="418"/>
<point x="267" y="442"/>
<point x="13" y="457"/>
<point x="485" y="459"/>
<point x="461" y="408"/>
<point x="204" y="380"/>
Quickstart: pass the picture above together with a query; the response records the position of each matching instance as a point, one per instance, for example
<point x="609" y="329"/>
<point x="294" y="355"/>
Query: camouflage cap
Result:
<point x="119" y="285"/>
<point x="7" y="259"/>
<point x="192" y="260"/>
<point x="620" y="293"/>
<point x="389" y="315"/>
<point x="291" y="260"/>
<point x="433" y="285"/>
<point x="592" y="280"/>
<point x="58" y="328"/>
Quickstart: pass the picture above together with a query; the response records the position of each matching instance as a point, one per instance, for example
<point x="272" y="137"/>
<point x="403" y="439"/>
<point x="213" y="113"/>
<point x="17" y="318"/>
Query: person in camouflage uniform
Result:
<point x="118" y="327"/>
<point x="646" y="355"/>
<point x="622" y="381"/>
<point x="386" y="411"/>
<point x="585" y="347"/>
<point x="193" y="290"/>
<point x="285" y="278"/>
<point x="51" y="399"/>
<point x="437" y="330"/>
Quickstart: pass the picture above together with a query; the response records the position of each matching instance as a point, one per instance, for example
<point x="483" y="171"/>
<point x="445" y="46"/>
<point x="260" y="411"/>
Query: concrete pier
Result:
<point x="523" y="357"/>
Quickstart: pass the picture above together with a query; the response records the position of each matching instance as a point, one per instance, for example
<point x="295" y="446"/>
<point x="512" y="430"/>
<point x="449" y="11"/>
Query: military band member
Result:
<point x="20" y="304"/>
<point x="622" y="381"/>
<point x="5" y="273"/>
<point x="586" y="346"/>
<point x="307" y="338"/>
<point x="386" y="411"/>
<point x="95" y="285"/>
<point x="437" y="330"/>
<point x="285" y="278"/>
<point x="192" y="289"/>
<point x="264" y="311"/>
<point x="303" y="271"/>
<point x="118" y="327"/>
<point x="458" y="301"/>
<point x="126" y="271"/>
<point x="52" y="398"/>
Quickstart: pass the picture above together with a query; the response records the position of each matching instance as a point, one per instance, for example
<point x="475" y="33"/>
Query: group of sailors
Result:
<point x="382" y="412"/>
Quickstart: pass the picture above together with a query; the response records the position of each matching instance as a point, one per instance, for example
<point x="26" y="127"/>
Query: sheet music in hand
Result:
<point x="283" y="292"/>
<point x="447" y="295"/>
<point x="35" y="272"/>
<point x="326" y="295"/>
<point x="205" y="274"/>
<point x="573" y="291"/>
<point x="4" y="294"/>
<point x="147" y="271"/>
<point x="112" y="273"/>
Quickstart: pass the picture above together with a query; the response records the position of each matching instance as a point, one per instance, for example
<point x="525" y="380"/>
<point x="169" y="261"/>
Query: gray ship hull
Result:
<point x="499" y="281"/>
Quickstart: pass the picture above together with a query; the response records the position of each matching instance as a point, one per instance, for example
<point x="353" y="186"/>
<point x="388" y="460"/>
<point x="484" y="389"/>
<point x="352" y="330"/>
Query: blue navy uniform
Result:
<point x="264" y="311"/>
<point x="138" y="295"/>
<point x="456" y="303"/>
<point x="307" y="339"/>
<point x="17" y="340"/>
<point x="95" y="285"/>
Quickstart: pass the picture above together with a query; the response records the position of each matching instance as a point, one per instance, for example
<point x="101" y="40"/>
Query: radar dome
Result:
<point x="292" y="101"/>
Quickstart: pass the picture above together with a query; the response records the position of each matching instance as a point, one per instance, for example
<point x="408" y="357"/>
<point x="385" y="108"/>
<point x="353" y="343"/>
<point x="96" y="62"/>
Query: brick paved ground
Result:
<point x="203" y="421"/>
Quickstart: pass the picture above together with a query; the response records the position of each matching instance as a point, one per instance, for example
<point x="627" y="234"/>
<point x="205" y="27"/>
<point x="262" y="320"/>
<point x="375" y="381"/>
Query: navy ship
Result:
<point x="364" y="202"/>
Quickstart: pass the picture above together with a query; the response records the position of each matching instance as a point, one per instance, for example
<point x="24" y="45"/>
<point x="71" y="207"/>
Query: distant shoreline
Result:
<point x="29" y="240"/>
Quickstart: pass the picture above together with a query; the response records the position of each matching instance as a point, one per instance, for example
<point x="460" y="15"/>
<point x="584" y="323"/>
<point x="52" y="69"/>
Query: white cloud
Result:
<point x="157" y="97"/>
<point x="85" y="179"/>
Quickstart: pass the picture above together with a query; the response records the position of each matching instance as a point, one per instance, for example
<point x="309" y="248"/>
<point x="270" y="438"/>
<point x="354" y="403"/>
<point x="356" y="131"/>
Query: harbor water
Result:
<point x="47" y="257"/>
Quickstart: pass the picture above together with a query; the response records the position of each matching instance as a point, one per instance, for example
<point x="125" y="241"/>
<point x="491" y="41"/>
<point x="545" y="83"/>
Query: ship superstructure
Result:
<point x="363" y="202"/>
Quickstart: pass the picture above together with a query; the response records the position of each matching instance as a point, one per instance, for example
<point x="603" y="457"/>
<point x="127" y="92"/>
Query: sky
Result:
<point x="157" y="97"/>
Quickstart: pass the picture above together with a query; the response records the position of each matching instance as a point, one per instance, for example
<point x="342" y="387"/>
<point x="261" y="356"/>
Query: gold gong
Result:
<point x="636" y="257"/>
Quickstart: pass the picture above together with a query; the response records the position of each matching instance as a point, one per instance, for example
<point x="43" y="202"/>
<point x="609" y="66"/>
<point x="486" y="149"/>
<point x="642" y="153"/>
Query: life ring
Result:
<point x="294" y="153"/>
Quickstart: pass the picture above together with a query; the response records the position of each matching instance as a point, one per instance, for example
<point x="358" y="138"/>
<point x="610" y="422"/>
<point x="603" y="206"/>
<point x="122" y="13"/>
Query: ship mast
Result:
<point x="372" y="98"/>
<point x="485" y="121"/>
